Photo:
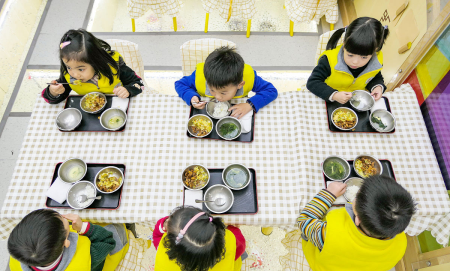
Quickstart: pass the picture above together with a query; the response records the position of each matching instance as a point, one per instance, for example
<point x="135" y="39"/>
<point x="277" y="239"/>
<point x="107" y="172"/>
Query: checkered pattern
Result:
<point x="323" y="40"/>
<point x="295" y="260"/>
<point x="291" y="140"/>
<point x="196" y="51"/>
<point x="245" y="9"/>
<point x="137" y="8"/>
<point x="312" y="10"/>
<point x="135" y="254"/>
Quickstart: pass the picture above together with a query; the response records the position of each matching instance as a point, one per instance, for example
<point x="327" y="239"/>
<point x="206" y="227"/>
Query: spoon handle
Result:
<point x="200" y="201"/>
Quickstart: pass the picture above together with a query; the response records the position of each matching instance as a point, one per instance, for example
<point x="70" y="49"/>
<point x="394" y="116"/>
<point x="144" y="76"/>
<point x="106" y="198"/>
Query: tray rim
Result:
<point x="108" y="209"/>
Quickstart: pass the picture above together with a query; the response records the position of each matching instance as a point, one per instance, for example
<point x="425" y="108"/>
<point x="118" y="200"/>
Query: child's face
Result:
<point x="79" y="70"/>
<point x="227" y="93"/>
<point x="355" y="61"/>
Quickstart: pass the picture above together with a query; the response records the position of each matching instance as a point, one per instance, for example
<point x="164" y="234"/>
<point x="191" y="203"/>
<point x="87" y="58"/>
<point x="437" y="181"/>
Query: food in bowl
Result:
<point x="195" y="178"/>
<point x="107" y="182"/>
<point x="378" y="121"/>
<point x="94" y="102"/>
<point x="220" y="110"/>
<point x="229" y="130"/>
<point x="365" y="167"/>
<point x="236" y="178"/>
<point x="116" y="122"/>
<point x="351" y="192"/>
<point x="201" y="127"/>
<point x="344" y="119"/>
<point x="334" y="170"/>
<point x="75" y="173"/>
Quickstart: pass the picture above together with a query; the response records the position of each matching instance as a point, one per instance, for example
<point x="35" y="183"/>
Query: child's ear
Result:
<point x="357" y="221"/>
<point x="241" y="84"/>
<point x="67" y="243"/>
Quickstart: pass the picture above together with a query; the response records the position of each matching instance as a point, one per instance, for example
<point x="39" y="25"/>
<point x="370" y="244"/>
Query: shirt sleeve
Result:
<point x="316" y="81"/>
<point x="310" y="221"/>
<point x="265" y="93"/>
<point x="102" y="243"/>
<point x="130" y="80"/>
<point x="377" y="80"/>
<point x="49" y="98"/>
<point x="186" y="89"/>
<point x="158" y="232"/>
<point x="240" y="241"/>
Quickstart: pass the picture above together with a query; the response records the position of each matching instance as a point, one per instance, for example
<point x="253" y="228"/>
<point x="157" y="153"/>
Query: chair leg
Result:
<point x="175" y="24"/>
<point x="291" y="28"/>
<point x="133" y="25"/>
<point x="249" y="25"/>
<point x="206" y="22"/>
<point x="331" y="27"/>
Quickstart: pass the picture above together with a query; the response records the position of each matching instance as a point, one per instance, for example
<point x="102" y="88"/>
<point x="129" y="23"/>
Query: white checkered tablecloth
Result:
<point x="312" y="10"/>
<point x="291" y="140"/>
<point x="137" y="8"/>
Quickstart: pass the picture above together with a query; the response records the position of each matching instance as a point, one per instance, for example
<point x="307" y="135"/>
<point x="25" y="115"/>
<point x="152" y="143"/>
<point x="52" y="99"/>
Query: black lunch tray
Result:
<point x="363" y="125"/>
<point x="245" y="200"/>
<point x="388" y="170"/>
<point x="246" y="138"/>
<point x="107" y="202"/>
<point x="90" y="122"/>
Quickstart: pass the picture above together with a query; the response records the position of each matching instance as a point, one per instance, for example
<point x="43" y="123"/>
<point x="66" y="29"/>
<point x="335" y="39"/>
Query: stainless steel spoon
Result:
<point x="218" y="201"/>
<point x="83" y="198"/>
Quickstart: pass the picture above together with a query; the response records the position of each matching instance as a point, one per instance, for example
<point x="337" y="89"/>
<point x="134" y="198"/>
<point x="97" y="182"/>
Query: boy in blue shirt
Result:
<point x="225" y="76"/>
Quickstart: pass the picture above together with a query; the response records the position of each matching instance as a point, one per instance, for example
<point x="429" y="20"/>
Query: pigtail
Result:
<point x="333" y="41"/>
<point x="384" y="37"/>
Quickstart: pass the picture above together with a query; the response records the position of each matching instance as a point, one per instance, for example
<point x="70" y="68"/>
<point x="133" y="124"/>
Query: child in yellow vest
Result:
<point x="44" y="241"/>
<point x="366" y="235"/>
<point x="225" y="76"/>
<point x="89" y="65"/>
<point x="355" y="65"/>
<point x="190" y="239"/>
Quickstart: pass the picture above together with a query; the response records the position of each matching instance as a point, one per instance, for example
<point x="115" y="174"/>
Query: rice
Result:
<point x="351" y="192"/>
<point x="220" y="110"/>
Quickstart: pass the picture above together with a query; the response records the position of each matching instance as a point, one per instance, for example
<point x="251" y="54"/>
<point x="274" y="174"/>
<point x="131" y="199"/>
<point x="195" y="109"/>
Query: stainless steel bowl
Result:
<point x="210" y="108"/>
<point x="346" y="110"/>
<point x="219" y="191"/>
<point x="83" y="105"/>
<point x="352" y="181"/>
<point x="112" y="113"/>
<point x="229" y="168"/>
<point x="72" y="170"/>
<point x="362" y="100"/>
<point x="386" y="117"/>
<point x="68" y="119"/>
<point x="340" y="160"/>
<point x="378" y="165"/>
<point x="200" y="116"/>
<point x="228" y="120"/>
<point x="77" y="190"/>
<point x="116" y="172"/>
<point x="192" y="167"/>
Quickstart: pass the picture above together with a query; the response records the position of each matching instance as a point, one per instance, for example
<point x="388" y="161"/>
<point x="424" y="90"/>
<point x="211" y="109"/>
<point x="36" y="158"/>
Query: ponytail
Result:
<point x="333" y="41"/>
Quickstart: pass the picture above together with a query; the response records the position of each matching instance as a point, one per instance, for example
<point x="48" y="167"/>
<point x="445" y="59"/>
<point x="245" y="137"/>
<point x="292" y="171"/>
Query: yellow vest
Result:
<point x="163" y="263"/>
<point x="82" y="258"/>
<point x="342" y="79"/>
<point x="347" y="249"/>
<point x="200" y="81"/>
<point x="103" y="83"/>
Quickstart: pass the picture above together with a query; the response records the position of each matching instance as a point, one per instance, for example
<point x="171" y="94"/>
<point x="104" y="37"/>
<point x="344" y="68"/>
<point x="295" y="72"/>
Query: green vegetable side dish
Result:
<point x="236" y="178"/>
<point x="115" y="122"/>
<point x="378" y="121"/>
<point x="334" y="170"/>
<point x="229" y="130"/>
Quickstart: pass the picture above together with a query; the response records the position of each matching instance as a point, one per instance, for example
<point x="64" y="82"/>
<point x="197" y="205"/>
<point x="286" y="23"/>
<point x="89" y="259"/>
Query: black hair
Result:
<point x="224" y="66"/>
<point x="384" y="207"/>
<point x="38" y="239"/>
<point x="85" y="47"/>
<point x="364" y="36"/>
<point x="203" y="245"/>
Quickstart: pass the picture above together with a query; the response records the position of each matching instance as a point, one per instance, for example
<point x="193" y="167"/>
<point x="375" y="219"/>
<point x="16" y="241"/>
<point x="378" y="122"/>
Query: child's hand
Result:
<point x="195" y="101"/>
<point x="377" y="92"/>
<point x="76" y="221"/>
<point x="240" y="110"/>
<point x="56" y="89"/>
<point x="342" y="97"/>
<point x="121" y="92"/>
<point x="337" y="188"/>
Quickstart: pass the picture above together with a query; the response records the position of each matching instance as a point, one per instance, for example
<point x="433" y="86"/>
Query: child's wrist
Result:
<point x="84" y="228"/>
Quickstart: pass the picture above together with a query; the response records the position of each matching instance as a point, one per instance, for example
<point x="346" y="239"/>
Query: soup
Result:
<point x="229" y="130"/>
<point x="334" y="170"/>
<point x="236" y="177"/>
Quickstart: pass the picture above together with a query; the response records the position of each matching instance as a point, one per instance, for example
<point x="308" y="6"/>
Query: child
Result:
<point x="355" y="65"/>
<point x="225" y="76"/>
<point x="89" y="65"/>
<point x="43" y="240"/>
<point x="366" y="235"/>
<point x="190" y="239"/>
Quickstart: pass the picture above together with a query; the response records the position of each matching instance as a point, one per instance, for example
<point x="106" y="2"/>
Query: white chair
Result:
<point x="196" y="51"/>
<point x="323" y="40"/>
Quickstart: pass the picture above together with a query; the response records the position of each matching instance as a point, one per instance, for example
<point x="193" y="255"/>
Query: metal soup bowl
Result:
<point x="87" y="110"/>
<point x="386" y="117"/>
<point x="340" y="160"/>
<point x="240" y="167"/>
<point x="229" y="120"/>
<point x="352" y="181"/>
<point x="200" y="116"/>
<point x="77" y="190"/>
<point x="69" y="165"/>
<point x="219" y="191"/>
<point x="192" y="167"/>
<point x="68" y="119"/>
<point x="362" y="100"/>
<point x="112" y="113"/>
<point x="116" y="172"/>
<point x="212" y="104"/>
<point x="345" y="109"/>
<point x="378" y="165"/>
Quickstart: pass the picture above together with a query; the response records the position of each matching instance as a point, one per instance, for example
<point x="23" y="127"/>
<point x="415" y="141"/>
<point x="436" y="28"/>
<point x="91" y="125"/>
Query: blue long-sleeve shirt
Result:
<point x="265" y="91"/>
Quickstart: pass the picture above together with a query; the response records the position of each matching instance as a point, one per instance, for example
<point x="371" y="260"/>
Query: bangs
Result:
<point x="361" y="43"/>
<point x="79" y="56"/>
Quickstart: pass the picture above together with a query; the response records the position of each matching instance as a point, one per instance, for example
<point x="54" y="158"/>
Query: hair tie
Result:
<point x="210" y="219"/>
<point x="385" y="27"/>
<point x="345" y="29"/>
<point x="64" y="44"/>
<point x="183" y="231"/>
